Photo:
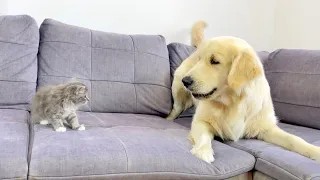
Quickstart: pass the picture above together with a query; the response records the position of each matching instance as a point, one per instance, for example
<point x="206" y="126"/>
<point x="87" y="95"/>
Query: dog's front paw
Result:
<point x="81" y="128"/>
<point x="61" y="129"/>
<point x="170" y="118"/>
<point x="205" y="153"/>
<point x="315" y="154"/>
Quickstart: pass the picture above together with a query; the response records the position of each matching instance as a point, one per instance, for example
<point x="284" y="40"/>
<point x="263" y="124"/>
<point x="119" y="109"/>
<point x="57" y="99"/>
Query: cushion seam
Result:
<point x="15" y="178"/>
<point x="17" y="43"/>
<point x="26" y="28"/>
<point x="134" y="73"/>
<point x="30" y="143"/>
<point x="34" y="52"/>
<point x="254" y="154"/>
<point x="283" y="102"/>
<point x="14" y="104"/>
<point x="91" y="69"/>
<point x="107" y="48"/>
<point x="176" y="173"/>
<point x="125" y="150"/>
<point x="273" y="55"/>
<point x="277" y="167"/>
<point x="163" y="129"/>
<point x="290" y="72"/>
<point x="16" y="81"/>
<point x="13" y="122"/>
<point x="108" y="81"/>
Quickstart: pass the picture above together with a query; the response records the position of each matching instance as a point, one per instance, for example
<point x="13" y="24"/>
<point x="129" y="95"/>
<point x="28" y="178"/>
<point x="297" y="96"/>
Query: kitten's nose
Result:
<point x="187" y="81"/>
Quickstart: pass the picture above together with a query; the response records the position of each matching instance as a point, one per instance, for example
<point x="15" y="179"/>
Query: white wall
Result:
<point x="266" y="25"/>
<point x="297" y="24"/>
<point x="252" y="20"/>
<point x="3" y="6"/>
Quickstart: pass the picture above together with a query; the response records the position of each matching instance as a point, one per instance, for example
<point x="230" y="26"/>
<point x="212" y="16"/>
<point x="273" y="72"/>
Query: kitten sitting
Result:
<point x="57" y="105"/>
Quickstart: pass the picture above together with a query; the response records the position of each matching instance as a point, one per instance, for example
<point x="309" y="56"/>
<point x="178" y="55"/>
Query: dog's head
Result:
<point x="223" y="62"/>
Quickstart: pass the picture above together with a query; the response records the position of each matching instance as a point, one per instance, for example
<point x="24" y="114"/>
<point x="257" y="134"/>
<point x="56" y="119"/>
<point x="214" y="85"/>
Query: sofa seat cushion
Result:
<point x="184" y="121"/>
<point x="279" y="163"/>
<point x="14" y="142"/>
<point x="128" y="146"/>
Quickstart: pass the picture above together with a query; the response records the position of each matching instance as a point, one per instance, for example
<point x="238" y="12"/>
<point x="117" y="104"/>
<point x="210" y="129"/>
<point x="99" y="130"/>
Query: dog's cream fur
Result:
<point x="241" y="106"/>
<point x="197" y="33"/>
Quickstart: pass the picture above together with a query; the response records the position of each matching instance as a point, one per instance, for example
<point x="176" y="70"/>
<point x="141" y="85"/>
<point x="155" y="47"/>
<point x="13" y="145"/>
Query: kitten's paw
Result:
<point x="204" y="153"/>
<point x="44" y="122"/>
<point x="61" y="129"/>
<point x="81" y="128"/>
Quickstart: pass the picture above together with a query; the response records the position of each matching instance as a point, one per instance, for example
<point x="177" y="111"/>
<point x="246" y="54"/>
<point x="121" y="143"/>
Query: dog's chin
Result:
<point x="202" y="96"/>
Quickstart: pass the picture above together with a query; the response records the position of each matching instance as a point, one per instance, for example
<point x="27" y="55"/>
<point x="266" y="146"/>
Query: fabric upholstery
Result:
<point x="19" y="40"/>
<point x="128" y="146"/>
<point x="14" y="140"/>
<point x="184" y="121"/>
<point x="293" y="75"/>
<point x="264" y="56"/>
<point x="279" y="163"/>
<point x="124" y="73"/>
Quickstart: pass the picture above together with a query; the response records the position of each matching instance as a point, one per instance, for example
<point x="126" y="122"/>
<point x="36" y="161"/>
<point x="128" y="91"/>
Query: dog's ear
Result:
<point x="245" y="67"/>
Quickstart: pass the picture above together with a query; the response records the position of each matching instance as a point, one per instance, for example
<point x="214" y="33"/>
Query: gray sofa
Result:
<point x="127" y="137"/>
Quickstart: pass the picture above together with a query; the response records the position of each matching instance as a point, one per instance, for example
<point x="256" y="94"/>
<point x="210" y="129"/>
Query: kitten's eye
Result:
<point x="213" y="61"/>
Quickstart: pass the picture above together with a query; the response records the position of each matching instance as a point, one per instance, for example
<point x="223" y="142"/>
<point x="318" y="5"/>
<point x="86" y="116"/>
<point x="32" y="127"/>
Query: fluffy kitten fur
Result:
<point x="57" y="105"/>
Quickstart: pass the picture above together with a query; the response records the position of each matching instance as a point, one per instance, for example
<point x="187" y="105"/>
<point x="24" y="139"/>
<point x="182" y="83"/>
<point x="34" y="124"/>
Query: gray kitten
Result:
<point x="57" y="105"/>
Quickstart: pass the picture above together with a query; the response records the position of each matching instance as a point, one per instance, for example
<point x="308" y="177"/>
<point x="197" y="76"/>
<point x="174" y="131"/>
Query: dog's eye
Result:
<point x="213" y="61"/>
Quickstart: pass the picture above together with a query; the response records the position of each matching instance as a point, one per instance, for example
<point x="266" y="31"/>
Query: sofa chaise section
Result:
<point x="293" y="75"/>
<point x="279" y="163"/>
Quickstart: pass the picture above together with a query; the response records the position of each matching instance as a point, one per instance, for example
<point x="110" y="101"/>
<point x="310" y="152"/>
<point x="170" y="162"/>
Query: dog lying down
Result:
<point x="225" y="80"/>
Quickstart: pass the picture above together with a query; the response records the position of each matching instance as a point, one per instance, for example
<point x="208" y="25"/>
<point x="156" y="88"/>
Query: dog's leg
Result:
<point x="277" y="136"/>
<point x="182" y="102"/>
<point x="182" y="99"/>
<point x="201" y="135"/>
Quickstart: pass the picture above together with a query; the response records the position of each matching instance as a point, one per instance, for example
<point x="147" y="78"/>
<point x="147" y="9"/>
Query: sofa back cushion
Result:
<point x="178" y="52"/>
<point x="294" y="78"/>
<point x="19" y="41"/>
<point x="124" y="73"/>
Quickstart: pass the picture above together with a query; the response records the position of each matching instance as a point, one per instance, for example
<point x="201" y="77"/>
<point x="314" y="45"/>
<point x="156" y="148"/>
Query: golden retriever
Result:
<point x="225" y="80"/>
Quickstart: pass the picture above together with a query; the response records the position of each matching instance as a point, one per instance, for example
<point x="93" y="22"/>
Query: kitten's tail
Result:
<point x="197" y="32"/>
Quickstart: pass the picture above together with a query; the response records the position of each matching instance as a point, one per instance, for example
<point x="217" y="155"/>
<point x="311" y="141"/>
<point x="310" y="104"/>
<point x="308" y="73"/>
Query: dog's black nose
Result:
<point x="187" y="81"/>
